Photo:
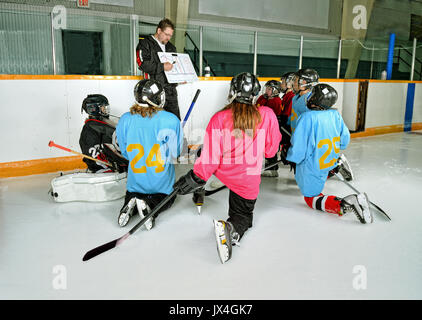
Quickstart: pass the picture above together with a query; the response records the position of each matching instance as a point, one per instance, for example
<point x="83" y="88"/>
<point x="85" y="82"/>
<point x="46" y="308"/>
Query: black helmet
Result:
<point x="310" y="76"/>
<point x="275" y="86"/>
<point x="244" y="87"/>
<point x="96" y="105"/>
<point x="323" y="96"/>
<point x="288" y="77"/>
<point x="150" y="93"/>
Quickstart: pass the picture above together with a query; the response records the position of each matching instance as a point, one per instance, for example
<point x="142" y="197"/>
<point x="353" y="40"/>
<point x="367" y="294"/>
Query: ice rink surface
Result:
<point x="291" y="252"/>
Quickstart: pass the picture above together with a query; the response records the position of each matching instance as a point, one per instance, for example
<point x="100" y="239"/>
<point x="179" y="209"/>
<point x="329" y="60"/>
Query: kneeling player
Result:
<point x="271" y="98"/>
<point x="320" y="134"/>
<point x="237" y="139"/>
<point x="150" y="138"/>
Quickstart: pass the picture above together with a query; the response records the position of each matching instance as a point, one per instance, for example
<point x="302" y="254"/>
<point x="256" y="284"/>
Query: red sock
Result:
<point x="330" y="204"/>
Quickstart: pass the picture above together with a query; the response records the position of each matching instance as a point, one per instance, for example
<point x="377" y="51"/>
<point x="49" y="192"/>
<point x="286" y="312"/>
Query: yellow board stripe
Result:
<point x="39" y="166"/>
<point x="116" y="77"/>
<point x="65" y="77"/>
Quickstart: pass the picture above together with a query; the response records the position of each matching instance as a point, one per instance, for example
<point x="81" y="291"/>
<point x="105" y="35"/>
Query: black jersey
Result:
<point x="94" y="133"/>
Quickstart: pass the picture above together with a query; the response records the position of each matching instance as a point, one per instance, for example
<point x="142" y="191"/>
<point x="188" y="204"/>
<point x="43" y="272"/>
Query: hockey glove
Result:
<point x="188" y="183"/>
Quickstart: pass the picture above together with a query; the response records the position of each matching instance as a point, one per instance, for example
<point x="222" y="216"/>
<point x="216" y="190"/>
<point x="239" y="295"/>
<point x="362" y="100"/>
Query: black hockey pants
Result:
<point x="240" y="212"/>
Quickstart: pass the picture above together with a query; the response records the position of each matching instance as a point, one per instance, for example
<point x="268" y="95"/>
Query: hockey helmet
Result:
<point x="275" y="88"/>
<point x="149" y="92"/>
<point x="96" y="105"/>
<point x="323" y="96"/>
<point x="288" y="78"/>
<point x="244" y="87"/>
<point x="307" y="78"/>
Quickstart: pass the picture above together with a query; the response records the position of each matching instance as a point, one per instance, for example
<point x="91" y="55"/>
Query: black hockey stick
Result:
<point x="340" y="177"/>
<point x="112" y="244"/>
<point x="210" y="192"/>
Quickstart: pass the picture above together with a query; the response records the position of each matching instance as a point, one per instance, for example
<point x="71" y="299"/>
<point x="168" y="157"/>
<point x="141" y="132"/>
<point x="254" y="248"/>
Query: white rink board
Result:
<point x="417" y="108"/>
<point x="37" y="111"/>
<point x="386" y="104"/>
<point x="350" y="104"/>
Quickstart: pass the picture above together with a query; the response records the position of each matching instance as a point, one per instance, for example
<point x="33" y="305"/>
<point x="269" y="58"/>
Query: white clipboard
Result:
<point x="182" y="71"/>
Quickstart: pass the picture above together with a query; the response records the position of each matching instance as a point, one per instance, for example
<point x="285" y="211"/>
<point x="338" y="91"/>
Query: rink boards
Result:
<point x="37" y="109"/>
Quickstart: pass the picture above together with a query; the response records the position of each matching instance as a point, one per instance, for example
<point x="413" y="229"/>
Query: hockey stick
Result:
<point x="339" y="176"/>
<point x="353" y="188"/>
<point x="208" y="193"/>
<point x="191" y="107"/>
<point x="112" y="244"/>
<point x="52" y="144"/>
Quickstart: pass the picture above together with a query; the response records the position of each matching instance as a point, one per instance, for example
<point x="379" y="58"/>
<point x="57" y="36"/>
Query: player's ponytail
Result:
<point x="246" y="118"/>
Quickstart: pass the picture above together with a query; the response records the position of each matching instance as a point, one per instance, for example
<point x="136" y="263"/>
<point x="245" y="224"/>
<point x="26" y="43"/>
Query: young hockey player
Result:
<point x="97" y="135"/>
<point x="316" y="143"/>
<point x="150" y="138"/>
<point x="303" y="82"/>
<point x="271" y="98"/>
<point x="286" y="110"/>
<point x="236" y="140"/>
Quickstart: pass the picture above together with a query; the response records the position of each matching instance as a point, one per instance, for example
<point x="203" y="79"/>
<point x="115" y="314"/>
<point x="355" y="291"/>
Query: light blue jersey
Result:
<point x="298" y="107"/>
<point x="316" y="145"/>
<point x="150" y="145"/>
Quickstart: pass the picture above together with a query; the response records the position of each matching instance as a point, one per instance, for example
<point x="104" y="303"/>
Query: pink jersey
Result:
<point x="237" y="162"/>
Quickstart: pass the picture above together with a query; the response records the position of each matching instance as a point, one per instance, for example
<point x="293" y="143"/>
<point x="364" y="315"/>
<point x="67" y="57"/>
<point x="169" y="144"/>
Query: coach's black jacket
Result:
<point x="149" y="62"/>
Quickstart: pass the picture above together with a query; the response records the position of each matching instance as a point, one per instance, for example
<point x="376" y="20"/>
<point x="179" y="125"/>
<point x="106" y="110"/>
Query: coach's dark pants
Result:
<point x="172" y="104"/>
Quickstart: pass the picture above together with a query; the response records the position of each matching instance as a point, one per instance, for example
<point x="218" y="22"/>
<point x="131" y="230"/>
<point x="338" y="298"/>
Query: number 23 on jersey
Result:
<point x="155" y="151"/>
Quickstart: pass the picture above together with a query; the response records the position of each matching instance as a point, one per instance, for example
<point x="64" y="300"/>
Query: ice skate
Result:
<point x="359" y="205"/>
<point x="344" y="168"/>
<point x="126" y="212"/>
<point x="226" y="237"/>
<point x="143" y="210"/>
<point x="198" y="198"/>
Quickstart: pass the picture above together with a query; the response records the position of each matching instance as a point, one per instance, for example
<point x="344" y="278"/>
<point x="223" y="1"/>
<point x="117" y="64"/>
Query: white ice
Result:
<point x="291" y="252"/>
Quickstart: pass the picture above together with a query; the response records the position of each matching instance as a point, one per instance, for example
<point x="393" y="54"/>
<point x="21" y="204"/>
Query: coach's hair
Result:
<point x="165" y="23"/>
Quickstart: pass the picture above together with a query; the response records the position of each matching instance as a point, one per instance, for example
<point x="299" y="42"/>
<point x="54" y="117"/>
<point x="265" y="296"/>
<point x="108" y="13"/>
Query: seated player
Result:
<point x="150" y="138"/>
<point x="315" y="147"/>
<point x="96" y="139"/>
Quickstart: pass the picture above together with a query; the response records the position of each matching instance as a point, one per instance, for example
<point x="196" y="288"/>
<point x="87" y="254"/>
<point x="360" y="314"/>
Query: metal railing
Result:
<point x="400" y="58"/>
<point x="196" y="56"/>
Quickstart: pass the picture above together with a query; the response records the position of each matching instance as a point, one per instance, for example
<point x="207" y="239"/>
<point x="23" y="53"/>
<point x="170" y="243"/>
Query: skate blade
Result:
<point x="123" y="219"/>
<point x="364" y="202"/>
<point x="219" y="237"/>
<point x="141" y="205"/>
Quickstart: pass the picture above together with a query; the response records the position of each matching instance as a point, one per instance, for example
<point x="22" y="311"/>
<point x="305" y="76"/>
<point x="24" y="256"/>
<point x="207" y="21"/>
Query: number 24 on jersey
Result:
<point x="155" y="151"/>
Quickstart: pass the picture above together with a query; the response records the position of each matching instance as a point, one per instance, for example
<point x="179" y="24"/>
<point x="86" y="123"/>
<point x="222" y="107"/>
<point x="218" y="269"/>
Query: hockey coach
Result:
<point x="149" y="62"/>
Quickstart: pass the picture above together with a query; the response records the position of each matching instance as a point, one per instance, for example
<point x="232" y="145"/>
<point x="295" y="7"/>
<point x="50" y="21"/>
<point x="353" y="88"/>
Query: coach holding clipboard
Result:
<point x="149" y="62"/>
